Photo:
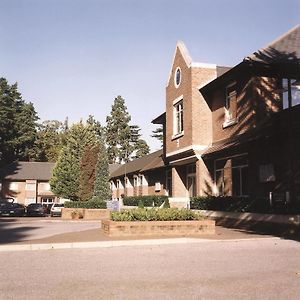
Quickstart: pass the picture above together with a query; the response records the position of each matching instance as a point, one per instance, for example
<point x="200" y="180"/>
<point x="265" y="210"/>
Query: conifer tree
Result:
<point x="158" y="134"/>
<point x="101" y="189"/>
<point x="141" y="148"/>
<point x="88" y="172"/>
<point x="118" y="131"/>
<point x="65" y="179"/>
<point x="18" y="125"/>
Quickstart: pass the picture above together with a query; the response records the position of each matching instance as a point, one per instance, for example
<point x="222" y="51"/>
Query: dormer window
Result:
<point x="230" y="105"/>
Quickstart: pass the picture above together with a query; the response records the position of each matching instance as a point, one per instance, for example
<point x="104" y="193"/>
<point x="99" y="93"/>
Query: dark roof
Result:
<point x="221" y="70"/>
<point x="113" y="167"/>
<point x="161" y="119"/>
<point x="27" y="170"/>
<point x="285" y="49"/>
<point x="148" y="162"/>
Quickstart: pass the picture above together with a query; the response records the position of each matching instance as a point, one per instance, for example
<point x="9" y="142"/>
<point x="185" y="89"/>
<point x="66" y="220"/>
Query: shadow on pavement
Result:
<point x="10" y="233"/>
<point x="286" y="231"/>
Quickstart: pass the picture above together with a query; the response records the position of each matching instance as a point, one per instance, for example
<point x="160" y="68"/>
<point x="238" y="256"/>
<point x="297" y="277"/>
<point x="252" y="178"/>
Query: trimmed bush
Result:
<point x="231" y="204"/>
<point x="86" y="204"/>
<point x="145" y="201"/>
<point x="152" y="214"/>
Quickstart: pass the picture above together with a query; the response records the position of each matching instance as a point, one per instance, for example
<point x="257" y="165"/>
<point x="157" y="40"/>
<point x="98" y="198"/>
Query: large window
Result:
<point x="294" y="86"/>
<point x="230" y="105"/>
<point x="178" y="118"/>
<point x="231" y="176"/>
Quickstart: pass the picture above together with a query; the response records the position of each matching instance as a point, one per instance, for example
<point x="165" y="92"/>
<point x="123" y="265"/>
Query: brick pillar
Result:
<point x="205" y="184"/>
<point x="179" y="189"/>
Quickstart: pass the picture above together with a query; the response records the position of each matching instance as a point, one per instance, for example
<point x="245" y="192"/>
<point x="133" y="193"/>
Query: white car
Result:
<point x="56" y="209"/>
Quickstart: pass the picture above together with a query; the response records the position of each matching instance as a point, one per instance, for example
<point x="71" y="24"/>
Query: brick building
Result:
<point x="227" y="131"/>
<point x="28" y="182"/>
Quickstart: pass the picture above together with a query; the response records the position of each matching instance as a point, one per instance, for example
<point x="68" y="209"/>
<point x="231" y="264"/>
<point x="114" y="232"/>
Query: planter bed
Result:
<point x="155" y="228"/>
<point x="85" y="213"/>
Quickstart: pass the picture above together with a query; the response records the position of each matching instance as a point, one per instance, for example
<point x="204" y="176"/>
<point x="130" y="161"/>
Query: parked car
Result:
<point x="56" y="209"/>
<point x="12" y="209"/>
<point x="36" y="209"/>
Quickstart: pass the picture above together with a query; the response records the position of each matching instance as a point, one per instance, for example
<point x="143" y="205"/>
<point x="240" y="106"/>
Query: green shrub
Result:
<point x="231" y="204"/>
<point x="146" y="201"/>
<point x="166" y="203"/>
<point x="94" y="203"/>
<point x="152" y="214"/>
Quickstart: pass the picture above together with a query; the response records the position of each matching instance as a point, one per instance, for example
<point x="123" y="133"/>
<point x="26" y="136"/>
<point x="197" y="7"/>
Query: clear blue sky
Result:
<point x="73" y="57"/>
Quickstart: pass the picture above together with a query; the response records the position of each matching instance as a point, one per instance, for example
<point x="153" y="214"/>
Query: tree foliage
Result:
<point x="50" y="140"/>
<point x="122" y="139"/>
<point x="118" y="131"/>
<point x="65" y="181"/>
<point x="18" y="125"/>
<point x="158" y="134"/>
<point x="101" y="189"/>
<point x="88" y="172"/>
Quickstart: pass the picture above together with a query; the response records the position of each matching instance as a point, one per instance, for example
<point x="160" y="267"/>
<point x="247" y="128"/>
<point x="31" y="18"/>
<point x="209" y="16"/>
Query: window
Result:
<point x="13" y="186"/>
<point x="178" y="118"/>
<point x="119" y="184"/>
<point x="294" y="86"/>
<point x="231" y="176"/>
<point x="30" y="187"/>
<point x="45" y="186"/>
<point x="177" y="77"/>
<point x="230" y="105"/>
<point x="136" y="181"/>
<point x="157" y="186"/>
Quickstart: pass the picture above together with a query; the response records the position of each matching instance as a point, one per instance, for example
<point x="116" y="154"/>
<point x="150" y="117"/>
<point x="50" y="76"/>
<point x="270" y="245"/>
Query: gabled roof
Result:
<point x="22" y="170"/>
<point x="148" y="162"/>
<point x="286" y="48"/>
<point x="283" y="51"/>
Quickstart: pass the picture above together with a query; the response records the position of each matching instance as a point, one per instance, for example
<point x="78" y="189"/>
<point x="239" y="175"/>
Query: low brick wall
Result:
<point x="154" y="228"/>
<point x="85" y="213"/>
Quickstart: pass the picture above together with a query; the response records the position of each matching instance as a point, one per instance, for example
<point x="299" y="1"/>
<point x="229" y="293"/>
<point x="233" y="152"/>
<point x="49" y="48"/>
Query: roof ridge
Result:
<point x="276" y="40"/>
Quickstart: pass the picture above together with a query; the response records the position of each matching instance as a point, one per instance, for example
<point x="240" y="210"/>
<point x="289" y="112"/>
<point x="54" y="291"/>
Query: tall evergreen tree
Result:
<point x="18" y="124"/>
<point x="101" y="189"/>
<point x="88" y="172"/>
<point x="118" y="131"/>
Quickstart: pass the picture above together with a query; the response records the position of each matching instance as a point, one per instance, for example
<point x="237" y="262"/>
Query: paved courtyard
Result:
<point x="266" y="268"/>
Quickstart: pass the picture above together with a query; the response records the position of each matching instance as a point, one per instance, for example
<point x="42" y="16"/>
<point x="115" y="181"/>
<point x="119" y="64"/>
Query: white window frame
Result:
<point x="136" y="181"/>
<point x="29" y="186"/>
<point x="178" y="117"/>
<point x="295" y="92"/>
<point x="228" y="118"/>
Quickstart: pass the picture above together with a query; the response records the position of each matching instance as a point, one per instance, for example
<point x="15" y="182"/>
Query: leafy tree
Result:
<point x="118" y="132"/>
<point x="50" y="140"/>
<point x="101" y="189"/>
<point x="65" y="179"/>
<point x="87" y="172"/>
<point x="158" y="134"/>
<point x="18" y="125"/>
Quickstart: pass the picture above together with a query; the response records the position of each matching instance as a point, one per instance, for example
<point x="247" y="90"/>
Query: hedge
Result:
<point x="145" y="201"/>
<point x="86" y="204"/>
<point x="231" y="204"/>
<point x="153" y="214"/>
